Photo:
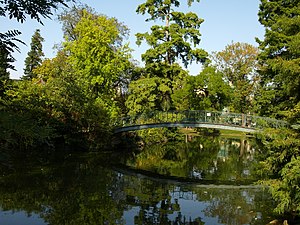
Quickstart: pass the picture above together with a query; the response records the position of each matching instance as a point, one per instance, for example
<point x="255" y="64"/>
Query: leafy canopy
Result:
<point x="238" y="64"/>
<point x="172" y="40"/>
<point x="280" y="54"/>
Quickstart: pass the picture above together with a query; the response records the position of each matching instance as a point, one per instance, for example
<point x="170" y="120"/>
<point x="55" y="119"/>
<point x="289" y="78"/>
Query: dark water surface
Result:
<point x="204" y="181"/>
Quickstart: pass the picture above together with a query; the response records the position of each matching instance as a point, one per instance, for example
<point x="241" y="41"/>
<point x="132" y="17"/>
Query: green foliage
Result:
<point x="34" y="57"/>
<point x="21" y="131"/>
<point x="7" y="47"/>
<point x="181" y="92"/>
<point x="70" y="18"/>
<point x="175" y="39"/>
<point x="60" y="104"/>
<point x="282" y="165"/>
<point x="280" y="54"/>
<point x="19" y="10"/>
<point x="76" y="93"/>
<point x="5" y="60"/>
<point x="97" y="56"/>
<point x="169" y="43"/>
<point x="4" y="66"/>
<point x="238" y="63"/>
<point x="35" y="9"/>
<point x="279" y="96"/>
<point x="209" y="91"/>
<point x="142" y="96"/>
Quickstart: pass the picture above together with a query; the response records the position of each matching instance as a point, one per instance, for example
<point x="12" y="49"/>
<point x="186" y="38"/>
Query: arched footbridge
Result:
<point x="203" y="119"/>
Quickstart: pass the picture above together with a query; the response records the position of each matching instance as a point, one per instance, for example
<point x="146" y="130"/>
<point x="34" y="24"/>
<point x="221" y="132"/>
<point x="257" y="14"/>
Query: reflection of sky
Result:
<point x="19" y="218"/>
<point x="190" y="209"/>
<point x="130" y="214"/>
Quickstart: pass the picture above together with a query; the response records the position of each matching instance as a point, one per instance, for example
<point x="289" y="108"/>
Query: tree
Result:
<point x="279" y="57"/>
<point x="99" y="58"/>
<point x="281" y="168"/>
<point x="169" y="43"/>
<point x="5" y="60"/>
<point x="34" y="57"/>
<point x="18" y="9"/>
<point x="70" y="18"/>
<point x="209" y="91"/>
<point x="175" y="39"/>
<point x="77" y="93"/>
<point x="4" y="65"/>
<point x="279" y="96"/>
<point x="238" y="63"/>
<point x="7" y="47"/>
<point x="35" y="9"/>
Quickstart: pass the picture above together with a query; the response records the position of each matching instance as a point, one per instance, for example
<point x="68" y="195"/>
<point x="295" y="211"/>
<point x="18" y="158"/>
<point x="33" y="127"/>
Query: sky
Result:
<point x="224" y="22"/>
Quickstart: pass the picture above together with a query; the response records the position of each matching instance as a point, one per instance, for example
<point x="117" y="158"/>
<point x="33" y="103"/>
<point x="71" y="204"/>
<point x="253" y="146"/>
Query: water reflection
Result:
<point x="88" y="190"/>
<point x="206" y="158"/>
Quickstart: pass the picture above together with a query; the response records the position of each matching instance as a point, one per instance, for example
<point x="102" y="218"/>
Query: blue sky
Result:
<point x="224" y="22"/>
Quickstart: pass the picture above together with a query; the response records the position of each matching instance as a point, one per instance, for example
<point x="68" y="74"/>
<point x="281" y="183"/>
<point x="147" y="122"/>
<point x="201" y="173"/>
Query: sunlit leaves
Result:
<point x="209" y="91"/>
<point x="169" y="44"/>
<point x="238" y="62"/>
<point x="99" y="57"/>
<point x="176" y="39"/>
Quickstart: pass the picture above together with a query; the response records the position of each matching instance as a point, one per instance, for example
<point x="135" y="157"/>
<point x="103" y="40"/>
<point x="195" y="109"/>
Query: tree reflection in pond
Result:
<point x="205" y="158"/>
<point x="176" y="203"/>
<point x="88" y="190"/>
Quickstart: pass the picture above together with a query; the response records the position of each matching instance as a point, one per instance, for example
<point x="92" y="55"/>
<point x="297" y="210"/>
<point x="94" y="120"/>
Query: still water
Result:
<point x="204" y="180"/>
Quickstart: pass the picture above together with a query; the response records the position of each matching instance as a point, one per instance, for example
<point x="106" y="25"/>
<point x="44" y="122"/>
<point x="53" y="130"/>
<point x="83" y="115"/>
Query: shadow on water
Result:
<point x="95" y="188"/>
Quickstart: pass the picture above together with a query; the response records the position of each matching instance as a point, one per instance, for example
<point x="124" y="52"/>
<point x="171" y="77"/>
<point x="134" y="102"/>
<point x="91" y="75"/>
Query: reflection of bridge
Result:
<point x="202" y="119"/>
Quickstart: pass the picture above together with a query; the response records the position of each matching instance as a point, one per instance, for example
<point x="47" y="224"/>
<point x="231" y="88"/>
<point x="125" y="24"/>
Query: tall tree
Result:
<point x="280" y="56"/>
<point x="34" y="57"/>
<point x="280" y="96"/>
<point x="173" y="40"/>
<point x="238" y="63"/>
<point x="99" y="57"/>
<point x="170" y="43"/>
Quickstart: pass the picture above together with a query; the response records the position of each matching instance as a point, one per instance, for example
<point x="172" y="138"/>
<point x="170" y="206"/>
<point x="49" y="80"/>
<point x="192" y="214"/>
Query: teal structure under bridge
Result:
<point x="203" y="119"/>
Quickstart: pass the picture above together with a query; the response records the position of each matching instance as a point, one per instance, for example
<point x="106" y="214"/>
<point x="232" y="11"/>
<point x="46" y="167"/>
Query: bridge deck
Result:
<point x="200" y="125"/>
<point x="203" y="119"/>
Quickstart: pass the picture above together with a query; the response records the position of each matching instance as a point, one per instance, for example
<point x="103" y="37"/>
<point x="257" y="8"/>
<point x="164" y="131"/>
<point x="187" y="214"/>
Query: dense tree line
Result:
<point x="75" y="97"/>
<point x="278" y="95"/>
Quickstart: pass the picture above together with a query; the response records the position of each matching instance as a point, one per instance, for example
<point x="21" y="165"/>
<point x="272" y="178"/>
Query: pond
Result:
<point x="196" y="180"/>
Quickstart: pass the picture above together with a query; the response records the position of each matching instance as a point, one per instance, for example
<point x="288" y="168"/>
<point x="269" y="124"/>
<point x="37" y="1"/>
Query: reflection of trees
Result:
<point x="230" y="204"/>
<point x="71" y="193"/>
<point x="204" y="157"/>
<point x="156" y="202"/>
<point x="79" y="191"/>
<point x="236" y="205"/>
